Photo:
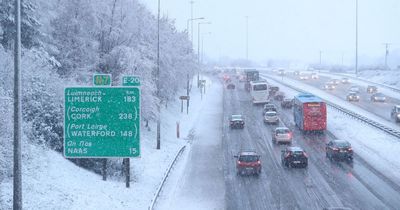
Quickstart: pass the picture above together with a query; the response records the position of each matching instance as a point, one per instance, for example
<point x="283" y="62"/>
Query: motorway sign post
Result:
<point x="102" y="79"/>
<point x="182" y="98"/>
<point x="102" y="122"/>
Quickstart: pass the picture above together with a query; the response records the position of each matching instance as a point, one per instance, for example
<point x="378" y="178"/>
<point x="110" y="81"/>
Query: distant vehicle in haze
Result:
<point x="270" y="107"/>
<point x="314" y="76"/>
<point x="230" y="86"/>
<point x="329" y="86"/>
<point x="309" y="112"/>
<point x="345" y="80"/>
<point x="339" y="149"/>
<point x="251" y="75"/>
<point x="353" y="96"/>
<point x="248" y="162"/>
<point x="281" y="72"/>
<point x="354" y="88"/>
<point x="271" y="117"/>
<point x="236" y="121"/>
<point x="293" y="157"/>
<point x="287" y="103"/>
<point x="372" y="89"/>
<point x="273" y="90"/>
<point x="279" y="96"/>
<point x="378" y="97"/>
<point x="296" y="72"/>
<point x="395" y="113"/>
<point x="259" y="92"/>
<point x="282" y="135"/>
<point x="303" y="77"/>
<point x="335" y="81"/>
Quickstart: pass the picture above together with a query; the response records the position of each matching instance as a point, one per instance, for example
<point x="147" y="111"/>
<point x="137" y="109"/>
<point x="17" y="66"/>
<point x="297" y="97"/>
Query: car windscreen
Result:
<point x="248" y="158"/>
<point x="260" y="87"/>
<point x="342" y="144"/>
<point x="270" y="114"/>
<point x="282" y="131"/>
<point x="379" y="95"/>
<point x="297" y="153"/>
<point x="236" y="117"/>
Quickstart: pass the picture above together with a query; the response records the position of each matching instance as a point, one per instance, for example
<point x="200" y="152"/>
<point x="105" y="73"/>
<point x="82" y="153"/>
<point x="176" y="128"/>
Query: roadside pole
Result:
<point x="17" y="176"/>
<point x="187" y="93"/>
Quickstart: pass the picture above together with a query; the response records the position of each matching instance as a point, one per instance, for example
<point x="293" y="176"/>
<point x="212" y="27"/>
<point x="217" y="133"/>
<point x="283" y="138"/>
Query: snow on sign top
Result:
<point x="102" y="122"/>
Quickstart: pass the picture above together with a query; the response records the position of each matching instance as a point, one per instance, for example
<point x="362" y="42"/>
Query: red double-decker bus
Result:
<point x="309" y="112"/>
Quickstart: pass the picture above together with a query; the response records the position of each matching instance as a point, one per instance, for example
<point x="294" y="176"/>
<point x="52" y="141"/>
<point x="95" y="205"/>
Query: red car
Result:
<point x="248" y="162"/>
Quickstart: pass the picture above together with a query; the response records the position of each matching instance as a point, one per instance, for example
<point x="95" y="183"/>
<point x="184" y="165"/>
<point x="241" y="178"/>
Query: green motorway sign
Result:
<point x="102" y="122"/>
<point x="130" y="81"/>
<point x="102" y="79"/>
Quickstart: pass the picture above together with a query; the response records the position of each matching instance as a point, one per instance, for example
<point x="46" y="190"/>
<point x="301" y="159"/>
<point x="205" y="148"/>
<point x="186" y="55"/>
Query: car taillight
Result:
<point x="290" y="135"/>
<point x="259" y="162"/>
<point x="335" y="149"/>
<point x="350" y="149"/>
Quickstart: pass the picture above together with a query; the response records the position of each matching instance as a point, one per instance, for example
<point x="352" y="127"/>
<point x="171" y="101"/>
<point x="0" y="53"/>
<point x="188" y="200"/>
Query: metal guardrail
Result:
<point x="157" y="194"/>
<point x="366" y="120"/>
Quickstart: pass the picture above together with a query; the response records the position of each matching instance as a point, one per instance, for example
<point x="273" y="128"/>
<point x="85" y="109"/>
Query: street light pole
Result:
<point x="17" y="177"/>
<point x="191" y="20"/>
<point x="158" y="79"/>
<point x="386" y="53"/>
<point x="247" y="38"/>
<point x="191" y="17"/>
<point x="198" y="51"/>
<point x="356" y="38"/>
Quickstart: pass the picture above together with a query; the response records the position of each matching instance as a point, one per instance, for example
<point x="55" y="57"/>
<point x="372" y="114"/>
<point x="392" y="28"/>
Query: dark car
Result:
<point x="236" y="121"/>
<point x="378" y="97"/>
<point x="279" y="96"/>
<point x="293" y="157"/>
<point x="230" y="86"/>
<point x="287" y="103"/>
<point x="269" y="107"/>
<point x="353" y="96"/>
<point x="372" y="89"/>
<point x="339" y="149"/>
<point x="248" y="162"/>
<point x="273" y="90"/>
<point x="395" y="113"/>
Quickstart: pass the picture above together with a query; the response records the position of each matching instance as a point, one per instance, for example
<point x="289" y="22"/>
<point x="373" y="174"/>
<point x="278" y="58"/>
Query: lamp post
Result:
<point x="191" y="20"/>
<point x="356" y="38"/>
<point x="158" y="79"/>
<point x="198" y="50"/>
<point x="247" y="38"/>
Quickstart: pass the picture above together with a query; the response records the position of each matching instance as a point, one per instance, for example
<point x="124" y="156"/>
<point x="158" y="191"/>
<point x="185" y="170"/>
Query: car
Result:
<point x="372" y="89"/>
<point x="273" y="90"/>
<point x="293" y="157"/>
<point x="378" y="97"/>
<point x="236" y="121"/>
<point x="335" y="81"/>
<point x="296" y="72"/>
<point x="248" y="162"/>
<point x="279" y="96"/>
<point x="269" y="107"/>
<point x="230" y="86"/>
<point x="287" y="103"/>
<point x="345" y="80"/>
<point x="242" y="78"/>
<point x="339" y="149"/>
<point x="329" y="86"/>
<point x="314" y="76"/>
<point x="282" y="135"/>
<point x="303" y="77"/>
<point x="271" y="117"/>
<point x="395" y="113"/>
<point x="354" y="88"/>
<point x="353" y="96"/>
<point x="281" y="72"/>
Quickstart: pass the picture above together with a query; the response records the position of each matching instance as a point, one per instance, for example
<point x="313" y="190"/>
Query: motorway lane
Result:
<point x="324" y="183"/>
<point x="378" y="108"/>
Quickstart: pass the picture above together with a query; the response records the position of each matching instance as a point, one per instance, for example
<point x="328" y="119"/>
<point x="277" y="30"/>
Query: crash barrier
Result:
<point x="161" y="185"/>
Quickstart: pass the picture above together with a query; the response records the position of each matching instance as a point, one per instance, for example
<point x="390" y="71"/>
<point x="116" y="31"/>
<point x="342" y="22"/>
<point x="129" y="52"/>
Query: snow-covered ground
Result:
<point x="52" y="182"/>
<point x="197" y="181"/>
<point x="376" y="147"/>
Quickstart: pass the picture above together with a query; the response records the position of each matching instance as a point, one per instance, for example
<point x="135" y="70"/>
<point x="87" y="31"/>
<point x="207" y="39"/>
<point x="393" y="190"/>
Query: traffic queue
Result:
<point x="309" y="114"/>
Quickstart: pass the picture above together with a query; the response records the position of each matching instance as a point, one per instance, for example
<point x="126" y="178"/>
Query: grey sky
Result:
<point x="291" y="29"/>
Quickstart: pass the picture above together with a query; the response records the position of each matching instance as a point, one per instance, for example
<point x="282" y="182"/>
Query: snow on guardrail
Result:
<point x="373" y="123"/>
<point x="157" y="194"/>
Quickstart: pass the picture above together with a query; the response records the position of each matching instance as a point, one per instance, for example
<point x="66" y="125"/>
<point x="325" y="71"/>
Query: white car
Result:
<point x="314" y="76"/>
<point x="282" y="135"/>
<point x="271" y="117"/>
<point x="304" y="77"/>
<point x="355" y="89"/>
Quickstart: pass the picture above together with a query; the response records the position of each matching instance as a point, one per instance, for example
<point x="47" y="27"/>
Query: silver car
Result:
<point x="271" y="117"/>
<point x="378" y="97"/>
<point x="282" y="135"/>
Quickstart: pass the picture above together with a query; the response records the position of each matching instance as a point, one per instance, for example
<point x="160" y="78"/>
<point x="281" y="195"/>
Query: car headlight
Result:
<point x="398" y="115"/>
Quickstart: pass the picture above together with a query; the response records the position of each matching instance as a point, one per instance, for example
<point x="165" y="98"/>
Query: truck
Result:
<point x="251" y="75"/>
